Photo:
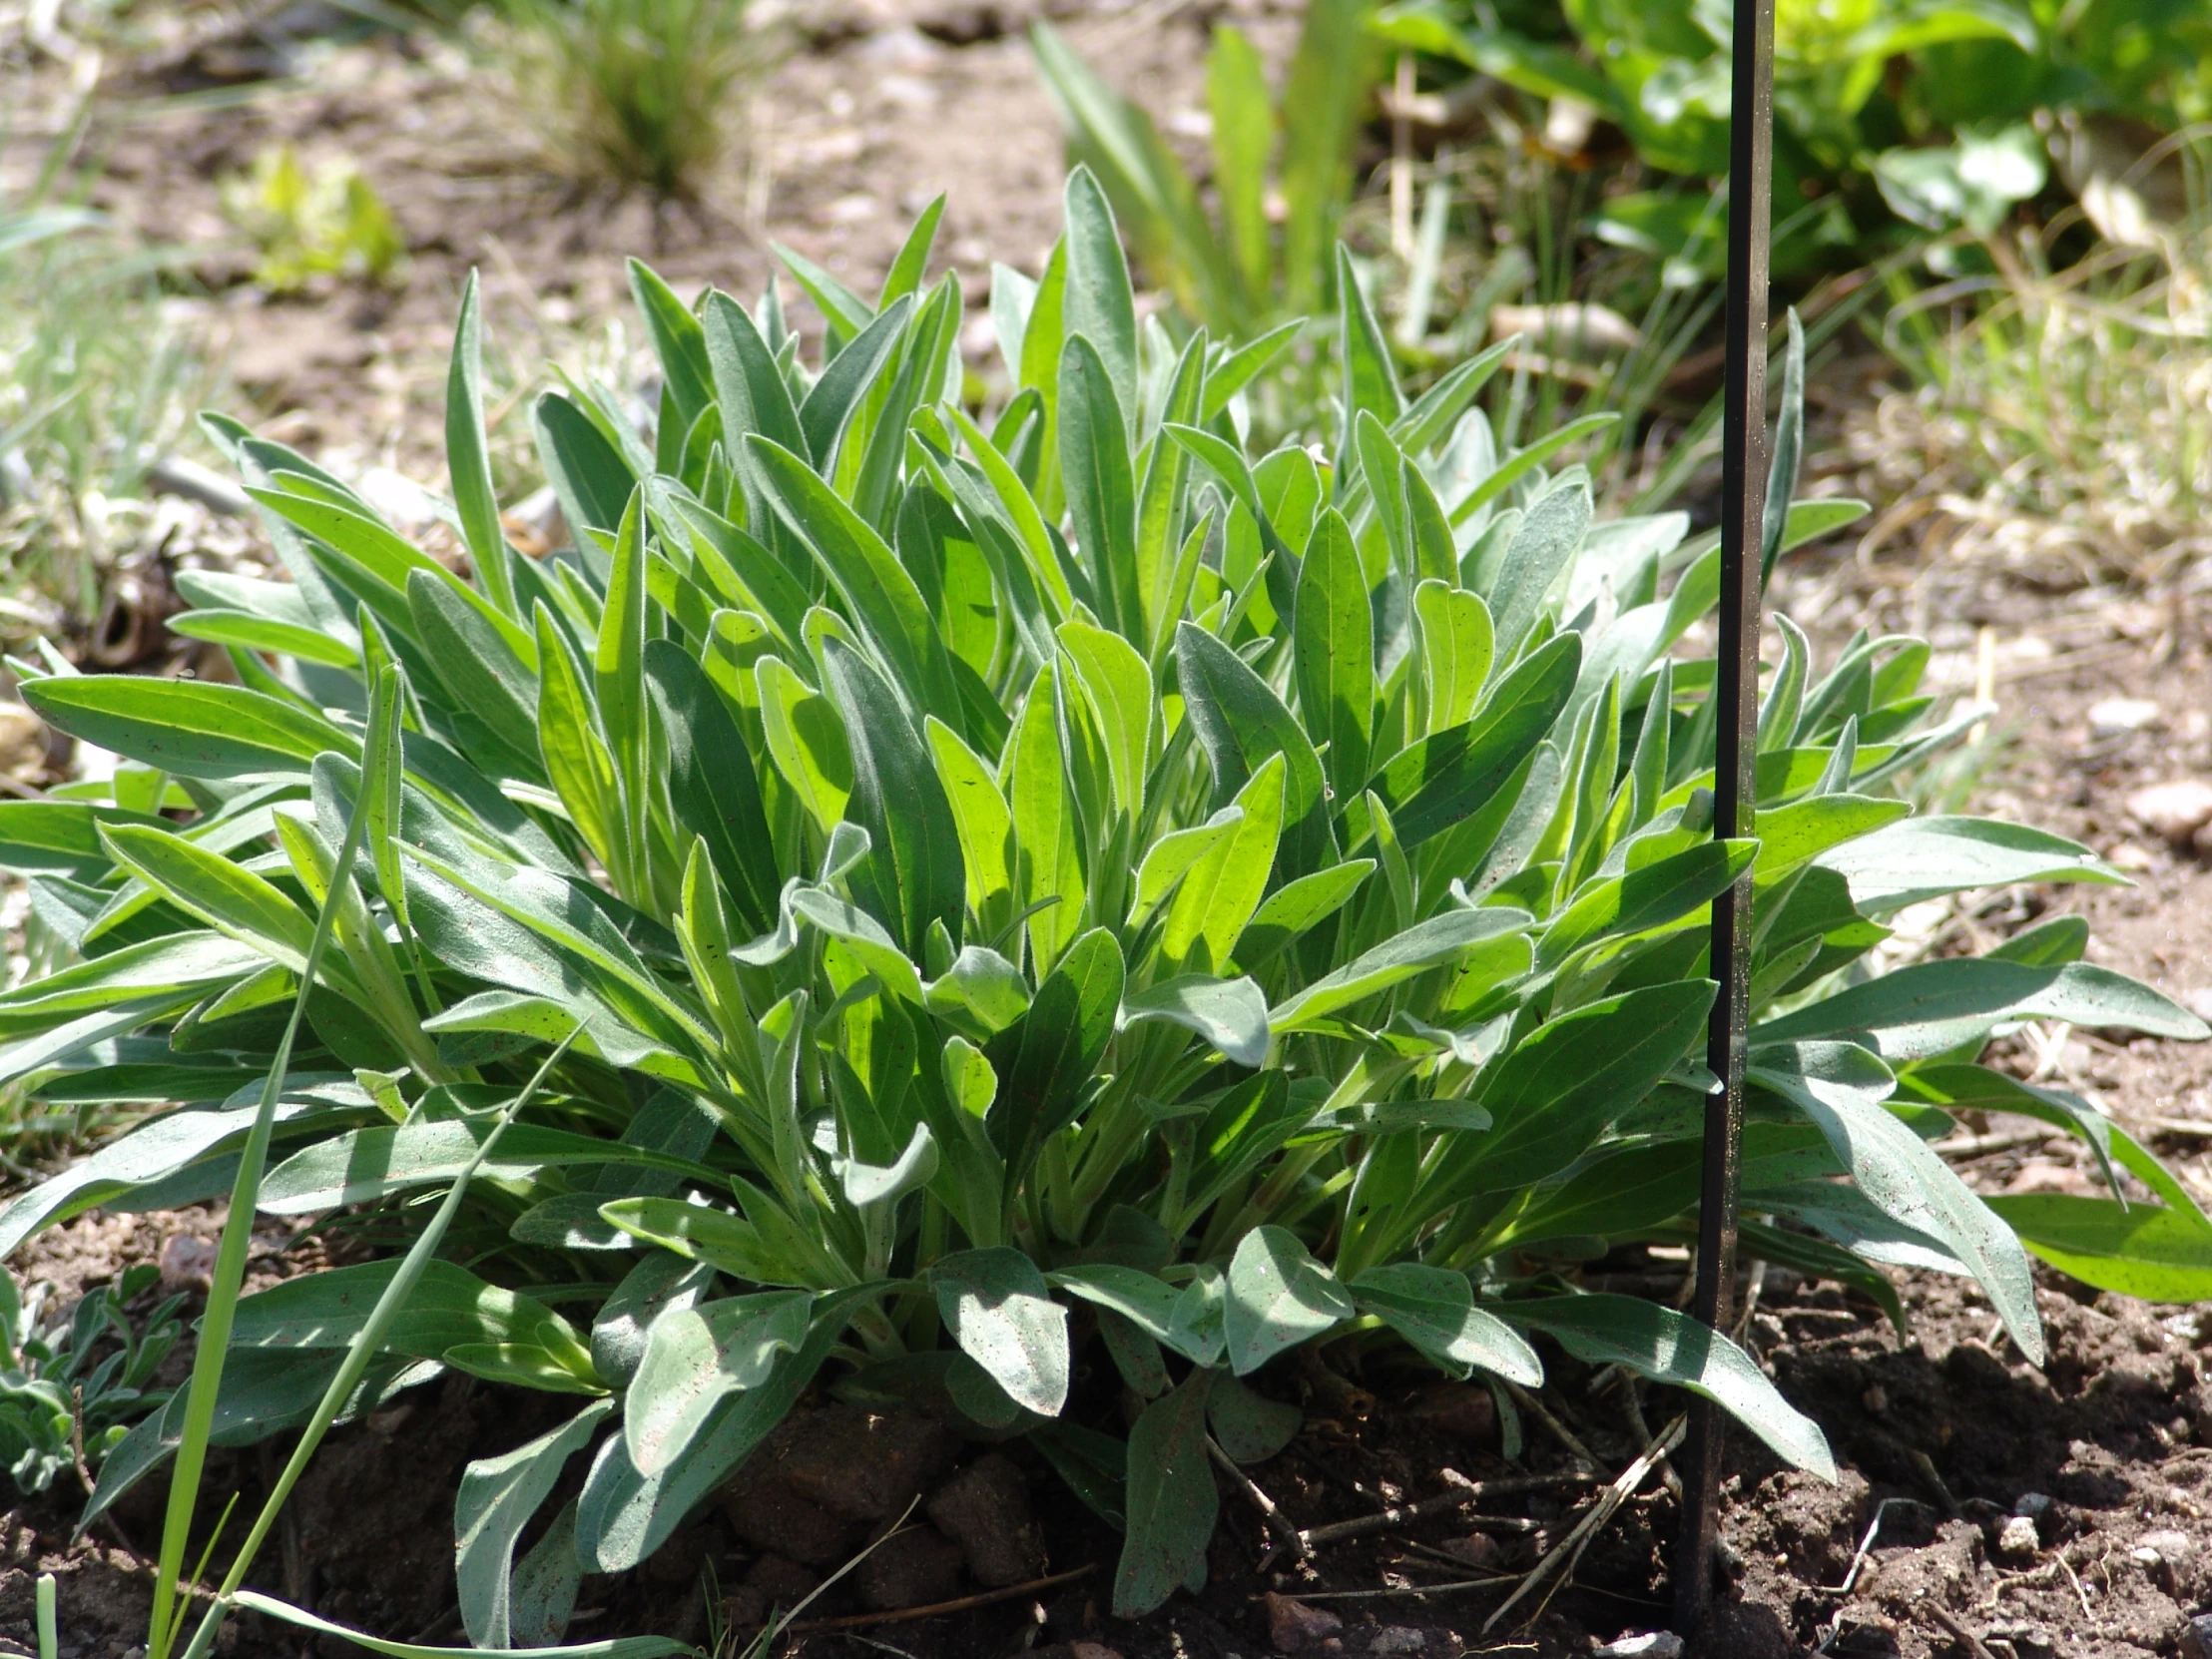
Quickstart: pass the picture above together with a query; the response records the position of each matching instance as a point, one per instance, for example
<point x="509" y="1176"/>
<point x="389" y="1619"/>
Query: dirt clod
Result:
<point x="771" y="1583"/>
<point x="1740" y="1630"/>
<point x="1459" y="1410"/>
<point x="864" y="1465"/>
<point x="815" y="1485"/>
<point x="911" y="1569"/>
<point x="768" y="1514"/>
<point x="984" y="1509"/>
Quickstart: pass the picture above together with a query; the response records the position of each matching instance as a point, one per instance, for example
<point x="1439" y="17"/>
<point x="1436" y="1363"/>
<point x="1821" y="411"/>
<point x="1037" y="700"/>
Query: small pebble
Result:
<point x="1876" y="1399"/>
<point x="2031" y="1505"/>
<point x="2133" y="857"/>
<point x="186" y="1262"/>
<point x="2176" y="811"/>
<point x="2116" y="717"/>
<point x="2018" y="1537"/>
<point x="2196" y="1638"/>
<point x="1653" y="1644"/>
<point x="1396" y="1638"/>
<point x="1296" y="1628"/>
<point x="1477" y="1549"/>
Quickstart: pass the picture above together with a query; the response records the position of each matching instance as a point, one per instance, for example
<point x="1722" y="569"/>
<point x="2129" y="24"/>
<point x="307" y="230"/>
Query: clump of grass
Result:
<point x="95" y="383"/>
<point x="2062" y="420"/>
<point x="640" y="92"/>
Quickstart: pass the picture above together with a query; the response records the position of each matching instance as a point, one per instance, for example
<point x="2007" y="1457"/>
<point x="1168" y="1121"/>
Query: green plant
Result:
<point x="57" y="1401"/>
<point x="1229" y="269"/>
<point x="639" y="91"/>
<point x="327" y="223"/>
<point x="909" y="898"/>
<point x="1918" y="108"/>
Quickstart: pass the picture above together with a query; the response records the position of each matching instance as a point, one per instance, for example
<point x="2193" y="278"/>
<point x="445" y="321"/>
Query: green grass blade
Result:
<point x="229" y="1267"/>
<point x="619" y="1647"/>
<point x="366" y="1345"/>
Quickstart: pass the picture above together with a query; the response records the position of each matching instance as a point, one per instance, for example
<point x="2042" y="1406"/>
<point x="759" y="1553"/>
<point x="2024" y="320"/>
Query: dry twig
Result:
<point x="1559" y="1430"/>
<point x="1277" y="1525"/>
<point x="1974" y="1644"/>
<point x="1468" y="1492"/>
<point x="1866" y="1544"/>
<point x="1561" y="1560"/>
<point x="906" y="1615"/>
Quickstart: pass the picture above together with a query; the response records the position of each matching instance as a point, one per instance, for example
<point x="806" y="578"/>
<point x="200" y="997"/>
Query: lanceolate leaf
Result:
<point x="1094" y="459"/>
<point x="1840" y="1087"/>
<point x="449" y="1306"/>
<point x="2143" y="1250"/>
<point x="912" y="874"/>
<point x="1929" y="1007"/>
<point x="1442" y="779"/>
<point x="1046" y="1061"/>
<point x="1648" y="898"/>
<point x="467" y="461"/>
<point x="711" y="783"/>
<point x="497" y="1498"/>
<point x="372" y="1162"/>
<point x="191" y="726"/>
<point x="1926" y="857"/>
<point x="623" y="1516"/>
<point x="617" y="1648"/>
<point x="1427" y="944"/>
<point x="1001" y="1313"/>
<point x="1433" y="1308"/>
<point x="876" y="588"/>
<point x="1099" y="305"/>
<point x="1240" y="722"/>
<point x="1278" y="1297"/>
<point x="696" y="1357"/>
<point x="1335" y="649"/>
<point x="1668" y="1347"/>
<point x="1171" y="1503"/>
<point x="1555" y="1094"/>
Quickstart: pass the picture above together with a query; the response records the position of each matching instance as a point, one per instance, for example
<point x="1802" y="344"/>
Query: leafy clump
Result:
<point x="72" y="1389"/>
<point x="958" y="895"/>
<point x="1888" y="114"/>
<point x="327" y="221"/>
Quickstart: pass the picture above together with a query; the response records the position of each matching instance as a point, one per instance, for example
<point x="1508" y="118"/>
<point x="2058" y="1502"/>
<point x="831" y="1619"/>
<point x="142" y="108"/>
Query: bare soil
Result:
<point x="1943" y="1431"/>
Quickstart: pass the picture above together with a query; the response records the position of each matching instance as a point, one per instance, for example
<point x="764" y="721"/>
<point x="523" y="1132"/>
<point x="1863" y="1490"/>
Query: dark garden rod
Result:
<point x="1735" y="782"/>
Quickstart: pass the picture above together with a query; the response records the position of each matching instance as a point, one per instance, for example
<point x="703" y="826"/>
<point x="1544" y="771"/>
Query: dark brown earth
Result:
<point x="1944" y="1432"/>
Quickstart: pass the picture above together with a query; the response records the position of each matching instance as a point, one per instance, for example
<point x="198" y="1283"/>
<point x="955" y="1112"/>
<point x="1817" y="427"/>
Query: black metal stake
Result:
<point x="1734" y="780"/>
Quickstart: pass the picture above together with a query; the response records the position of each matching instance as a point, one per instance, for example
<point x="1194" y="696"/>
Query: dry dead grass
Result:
<point x="2062" y="429"/>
